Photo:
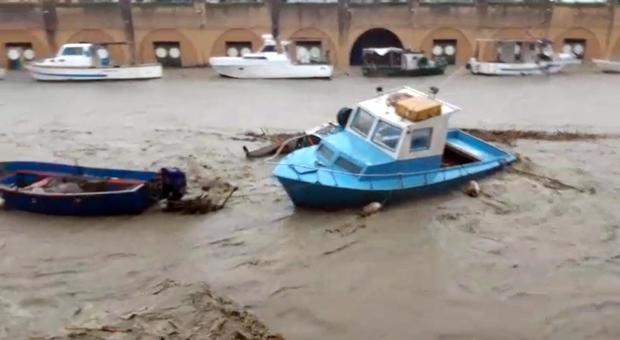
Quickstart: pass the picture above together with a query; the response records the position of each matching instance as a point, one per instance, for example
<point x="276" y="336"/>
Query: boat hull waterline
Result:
<point x="270" y="70"/>
<point x="138" y="72"/>
<point x="608" y="66"/>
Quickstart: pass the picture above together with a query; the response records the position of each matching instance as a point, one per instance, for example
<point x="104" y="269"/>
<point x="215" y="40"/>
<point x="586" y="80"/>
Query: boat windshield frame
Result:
<point x="380" y="143"/>
<point x="355" y="129"/>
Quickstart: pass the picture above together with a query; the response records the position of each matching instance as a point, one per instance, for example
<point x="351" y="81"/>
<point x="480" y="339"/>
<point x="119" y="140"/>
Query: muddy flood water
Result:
<point x="536" y="256"/>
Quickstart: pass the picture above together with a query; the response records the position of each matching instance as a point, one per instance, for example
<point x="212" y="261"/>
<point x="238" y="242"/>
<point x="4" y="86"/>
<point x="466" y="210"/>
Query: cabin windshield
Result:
<point x="362" y="123"/>
<point x="269" y="48"/>
<point x="73" y="51"/>
<point x="387" y="135"/>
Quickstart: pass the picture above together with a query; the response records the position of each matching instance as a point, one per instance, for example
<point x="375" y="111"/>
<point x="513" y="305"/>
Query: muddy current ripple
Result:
<point x="528" y="259"/>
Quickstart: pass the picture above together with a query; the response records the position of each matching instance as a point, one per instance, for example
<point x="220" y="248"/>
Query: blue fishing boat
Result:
<point x="59" y="189"/>
<point x="383" y="153"/>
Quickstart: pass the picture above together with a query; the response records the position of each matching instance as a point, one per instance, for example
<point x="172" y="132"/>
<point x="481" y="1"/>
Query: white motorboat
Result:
<point x="88" y="62"/>
<point x="518" y="57"/>
<point x="608" y="66"/>
<point x="273" y="60"/>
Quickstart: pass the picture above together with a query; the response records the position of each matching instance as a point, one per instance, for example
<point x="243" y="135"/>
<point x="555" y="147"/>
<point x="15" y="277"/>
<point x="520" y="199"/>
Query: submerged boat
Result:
<point x="518" y="57"/>
<point x="273" y="60"/>
<point x="395" y="62"/>
<point x="607" y="65"/>
<point x="75" y="62"/>
<point x="59" y="189"/>
<point x="391" y="147"/>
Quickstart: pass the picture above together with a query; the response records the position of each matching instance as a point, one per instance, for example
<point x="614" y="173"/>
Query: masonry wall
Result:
<point x="202" y="30"/>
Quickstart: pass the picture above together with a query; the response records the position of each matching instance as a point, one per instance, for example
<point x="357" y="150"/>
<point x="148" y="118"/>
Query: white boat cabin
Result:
<point x="376" y="121"/>
<point x="513" y="51"/>
<point x="80" y="55"/>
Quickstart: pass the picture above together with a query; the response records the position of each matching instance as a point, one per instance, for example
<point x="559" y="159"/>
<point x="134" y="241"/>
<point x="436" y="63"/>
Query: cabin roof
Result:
<point x="379" y="107"/>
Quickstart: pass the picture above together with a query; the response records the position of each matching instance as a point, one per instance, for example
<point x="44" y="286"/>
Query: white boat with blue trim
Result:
<point x="88" y="62"/>
<point x="378" y="155"/>
<point x="518" y="58"/>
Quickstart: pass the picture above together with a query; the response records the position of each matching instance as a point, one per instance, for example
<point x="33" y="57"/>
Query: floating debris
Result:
<point x="178" y="311"/>
<point x="512" y="135"/>
<point x="472" y="189"/>
<point x="214" y="196"/>
<point x="371" y="208"/>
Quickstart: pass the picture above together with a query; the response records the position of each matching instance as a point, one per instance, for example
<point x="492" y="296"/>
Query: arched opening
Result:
<point x="376" y="37"/>
<point x="18" y="47"/>
<point x="235" y="42"/>
<point x="580" y="41"/>
<point x="312" y="46"/>
<point x="448" y="43"/>
<point x="168" y="47"/>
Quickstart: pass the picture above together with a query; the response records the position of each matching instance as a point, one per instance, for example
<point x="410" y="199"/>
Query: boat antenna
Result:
<point x="379" y="90"/>
<point x="433" y="90"/>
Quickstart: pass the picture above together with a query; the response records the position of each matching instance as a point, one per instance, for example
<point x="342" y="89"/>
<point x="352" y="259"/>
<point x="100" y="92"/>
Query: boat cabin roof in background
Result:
<point x="509" y="50"/>
<point x="380" y="107"/>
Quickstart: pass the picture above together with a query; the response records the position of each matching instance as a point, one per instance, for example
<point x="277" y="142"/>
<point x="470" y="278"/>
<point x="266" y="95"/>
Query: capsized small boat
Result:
<point x="607" y="65"/>
<point x="391" y="147"/>
<point x="518" y="58"/>
<point x="59" y="189"/>
<point x="75" y="62"/>
<point x="397" y="62"/>
<point x="273" y="60"/>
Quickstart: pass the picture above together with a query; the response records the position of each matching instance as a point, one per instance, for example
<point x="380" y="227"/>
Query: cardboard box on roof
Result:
<point x="417" y="108"/>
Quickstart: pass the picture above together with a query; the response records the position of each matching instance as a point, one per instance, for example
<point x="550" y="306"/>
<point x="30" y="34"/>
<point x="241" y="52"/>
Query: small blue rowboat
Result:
<point x="59" y="189"/>
<point x="379" y="156"/>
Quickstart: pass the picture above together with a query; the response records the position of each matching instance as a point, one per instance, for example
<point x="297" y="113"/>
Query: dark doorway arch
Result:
<point x="376" y="37"/>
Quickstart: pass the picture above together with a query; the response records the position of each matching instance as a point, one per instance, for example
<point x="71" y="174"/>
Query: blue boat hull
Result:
<point x="315" y="186"/>
<point x="121" y="202"/>
<point x="318" y="196"/>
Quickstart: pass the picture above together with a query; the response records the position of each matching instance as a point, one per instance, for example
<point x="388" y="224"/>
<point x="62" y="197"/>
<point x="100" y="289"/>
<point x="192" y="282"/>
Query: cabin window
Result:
<point x="363" y="122"/>
<point x="325" y="152"/>
<point x="269" y="48"/>
<point x="73" y="51"/>
<point x="255" y="57"/>
<point x="387" y="135"/>
<point x="421" y="139"/>
<point x="347" y="165"/>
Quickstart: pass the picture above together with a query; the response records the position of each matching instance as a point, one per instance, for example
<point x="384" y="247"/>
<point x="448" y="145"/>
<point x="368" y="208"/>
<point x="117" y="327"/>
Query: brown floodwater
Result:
<point x="527" y="260"/>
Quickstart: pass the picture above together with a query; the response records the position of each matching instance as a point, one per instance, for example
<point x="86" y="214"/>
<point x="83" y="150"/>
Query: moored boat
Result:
<point x="88" y="62"/>
<point x="518" y="57"/>
<point x="273" y="60"/>
<point x="59" y="189"/>
<point x="391" y="147"/>
<point x="607" y="65"/>
<point x="397" y="62"/>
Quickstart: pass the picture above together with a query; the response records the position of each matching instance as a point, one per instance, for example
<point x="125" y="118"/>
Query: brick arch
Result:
<point x="312" y="33"/>
<point x="375" y="36"/>
<point x="234" y="35"/>
<point x="41" y="49"/>
<point x="118" y="53"/>
<point x="463" y="46"/>
<point x="189" y="57"/>
<point x="514" y="33"/>
<point x="593" y="45"/>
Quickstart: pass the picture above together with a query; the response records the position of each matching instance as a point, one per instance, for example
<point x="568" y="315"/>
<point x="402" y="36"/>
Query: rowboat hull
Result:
<point x="320" y="188"/>
<point x="53" y="73"/>
<point x="608" y="66"/>
<point x="133" y="200"/>
<point x="504" y="69"/>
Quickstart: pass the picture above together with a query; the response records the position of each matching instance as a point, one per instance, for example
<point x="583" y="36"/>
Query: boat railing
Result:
<point x="463" y="169"/>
